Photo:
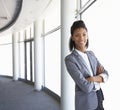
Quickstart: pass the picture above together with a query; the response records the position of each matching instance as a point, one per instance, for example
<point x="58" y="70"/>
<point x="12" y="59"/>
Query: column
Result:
<point x="68" y="8"/>
<point x="16" y="65"/>
<point x="39" y="61"/>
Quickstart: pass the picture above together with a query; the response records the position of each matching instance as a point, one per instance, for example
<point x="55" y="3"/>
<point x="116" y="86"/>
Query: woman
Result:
<point x="85" y="69"/>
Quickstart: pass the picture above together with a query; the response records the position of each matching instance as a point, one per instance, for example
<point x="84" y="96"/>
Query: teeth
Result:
<point x="81" y="42"/>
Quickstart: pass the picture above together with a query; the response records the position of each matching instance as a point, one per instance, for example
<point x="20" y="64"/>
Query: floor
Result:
<point x="17" y="95"/>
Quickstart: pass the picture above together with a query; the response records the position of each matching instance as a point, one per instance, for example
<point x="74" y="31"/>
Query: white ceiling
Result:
<point x="31" y="9"/>
<point x="9" y="10"/>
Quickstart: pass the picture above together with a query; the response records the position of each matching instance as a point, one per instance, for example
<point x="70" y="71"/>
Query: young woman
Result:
<point x="85" y="69"/>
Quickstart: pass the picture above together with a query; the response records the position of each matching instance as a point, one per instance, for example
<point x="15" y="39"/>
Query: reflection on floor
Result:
<point x="17" y="95"/>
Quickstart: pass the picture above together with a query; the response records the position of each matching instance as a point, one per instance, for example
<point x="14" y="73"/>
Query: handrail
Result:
<point x="51" y="31"/>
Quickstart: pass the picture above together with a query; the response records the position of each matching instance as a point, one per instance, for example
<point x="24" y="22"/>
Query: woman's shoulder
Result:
<point x="70" y="56"/>
<point x="90" y="52"/>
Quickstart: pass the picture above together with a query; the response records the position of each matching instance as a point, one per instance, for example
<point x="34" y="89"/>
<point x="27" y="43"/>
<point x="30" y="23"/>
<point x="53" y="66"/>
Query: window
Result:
<point x="102" y="20"/>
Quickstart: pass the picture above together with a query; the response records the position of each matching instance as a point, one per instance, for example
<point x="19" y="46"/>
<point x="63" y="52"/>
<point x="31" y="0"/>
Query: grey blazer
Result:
<point x="85" y="95"/>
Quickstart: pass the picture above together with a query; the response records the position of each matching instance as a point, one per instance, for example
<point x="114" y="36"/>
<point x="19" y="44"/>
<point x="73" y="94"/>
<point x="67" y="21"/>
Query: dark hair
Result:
<point x="76" y="25"/>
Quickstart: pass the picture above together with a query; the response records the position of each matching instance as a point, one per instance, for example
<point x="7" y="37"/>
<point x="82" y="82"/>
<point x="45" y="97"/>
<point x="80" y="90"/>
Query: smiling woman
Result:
<point x="9" y="12"/>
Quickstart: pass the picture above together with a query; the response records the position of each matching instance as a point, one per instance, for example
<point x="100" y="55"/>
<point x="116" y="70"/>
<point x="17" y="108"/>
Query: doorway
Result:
<point x="29" y="60"/>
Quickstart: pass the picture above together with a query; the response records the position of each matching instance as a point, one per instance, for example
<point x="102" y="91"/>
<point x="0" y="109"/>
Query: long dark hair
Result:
<point x="76" y="25"/>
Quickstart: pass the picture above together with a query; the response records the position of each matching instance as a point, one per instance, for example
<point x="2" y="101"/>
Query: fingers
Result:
<point x="100" y="70"/>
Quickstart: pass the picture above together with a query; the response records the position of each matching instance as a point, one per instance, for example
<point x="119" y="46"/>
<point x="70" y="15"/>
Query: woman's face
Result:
<point x="80" y="38"/>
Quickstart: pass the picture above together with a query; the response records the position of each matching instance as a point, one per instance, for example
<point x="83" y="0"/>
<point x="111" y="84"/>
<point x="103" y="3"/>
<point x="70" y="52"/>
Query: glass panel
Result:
<point x="22" y="61"/>
<point x="6" y="60"/>
<point x="22" y="36"/>
<point x="27" y="36"/>
<point x="31" y="30"/>
<point x="28" y="61"/>
<point x="103" y="21"/>
<point x="6" y="55"/>
<point x="84" y="2"/>
<point x="32" y="61"/>
<point x="54" y="16"/>
<point x="6" y="39"/>
<point x="52" y="62"/>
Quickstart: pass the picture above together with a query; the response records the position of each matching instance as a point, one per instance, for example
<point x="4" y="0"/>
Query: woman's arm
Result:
<point x="77" y="76"/>
<point x="98" y="78"/>
<point x="101" y="73"/>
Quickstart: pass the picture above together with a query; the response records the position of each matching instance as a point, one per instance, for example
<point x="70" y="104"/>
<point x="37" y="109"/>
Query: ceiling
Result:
<point x="9" y="12"/>
<point x="21" y="12"/>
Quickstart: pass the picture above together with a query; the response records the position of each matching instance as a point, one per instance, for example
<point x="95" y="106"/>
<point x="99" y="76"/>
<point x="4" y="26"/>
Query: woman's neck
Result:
<point x="81" y="49"/>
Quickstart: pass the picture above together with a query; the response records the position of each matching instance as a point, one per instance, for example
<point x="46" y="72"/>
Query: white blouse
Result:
<point x="85" y="57"/>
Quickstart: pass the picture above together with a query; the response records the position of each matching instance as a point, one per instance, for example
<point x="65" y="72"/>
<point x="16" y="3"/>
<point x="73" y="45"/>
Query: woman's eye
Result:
<point x="84" y="34"/>
<point x="76" y="35"/>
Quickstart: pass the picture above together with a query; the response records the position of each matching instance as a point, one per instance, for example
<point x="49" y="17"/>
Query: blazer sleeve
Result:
<point x="105" y="74"/>
<point x="77" y="75"/>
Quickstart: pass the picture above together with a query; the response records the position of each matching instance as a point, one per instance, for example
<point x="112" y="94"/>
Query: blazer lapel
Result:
<point x="91" y="62"/>
<point x="80" y="59"/>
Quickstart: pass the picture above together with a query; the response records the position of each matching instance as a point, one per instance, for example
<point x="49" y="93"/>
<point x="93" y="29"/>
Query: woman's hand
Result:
<point x="100" y="70"/>
<point x="97" y="78"/>
<point x="90" y="79"/>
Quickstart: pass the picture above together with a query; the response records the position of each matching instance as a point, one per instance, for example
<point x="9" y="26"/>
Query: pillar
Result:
<point x="15" y="48"/>
<point x="68" y="8"/>
<point x="39" y="61"/>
